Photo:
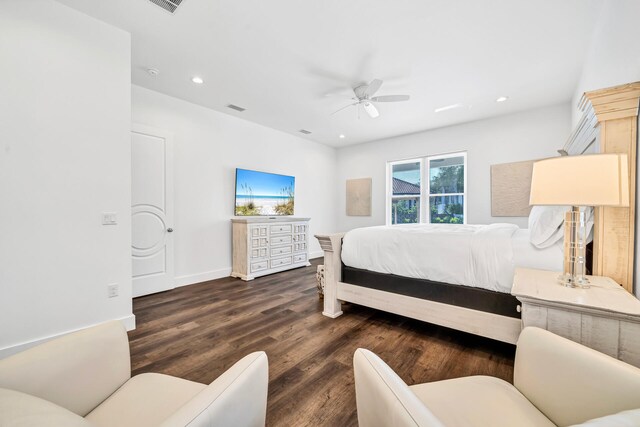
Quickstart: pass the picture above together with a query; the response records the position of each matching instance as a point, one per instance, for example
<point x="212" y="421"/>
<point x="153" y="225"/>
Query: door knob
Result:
<point x="169" y="230"/>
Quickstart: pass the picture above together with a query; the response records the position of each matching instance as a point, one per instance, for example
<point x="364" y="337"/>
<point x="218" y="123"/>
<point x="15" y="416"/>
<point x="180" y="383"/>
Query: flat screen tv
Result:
<point x="262" y="193"/>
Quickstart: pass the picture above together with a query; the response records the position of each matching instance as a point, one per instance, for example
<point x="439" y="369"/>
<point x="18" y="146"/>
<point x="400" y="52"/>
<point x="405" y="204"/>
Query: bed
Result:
<point x="457" y="276"/>
<point x="608" y="125"/>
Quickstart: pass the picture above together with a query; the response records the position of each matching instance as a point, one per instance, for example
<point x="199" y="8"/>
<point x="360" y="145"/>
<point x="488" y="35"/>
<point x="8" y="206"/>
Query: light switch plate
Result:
<point x="109" y="218"/>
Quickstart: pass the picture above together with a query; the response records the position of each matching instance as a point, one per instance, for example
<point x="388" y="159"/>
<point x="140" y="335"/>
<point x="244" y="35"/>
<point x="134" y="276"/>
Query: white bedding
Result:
<point x="482" y="256"/>
<point x="527" y="255"/>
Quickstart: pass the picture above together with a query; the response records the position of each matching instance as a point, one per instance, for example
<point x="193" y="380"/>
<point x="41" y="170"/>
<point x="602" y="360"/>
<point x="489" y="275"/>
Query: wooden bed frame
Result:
<point x="498" y="327"/>
<point x="610" y="121"/>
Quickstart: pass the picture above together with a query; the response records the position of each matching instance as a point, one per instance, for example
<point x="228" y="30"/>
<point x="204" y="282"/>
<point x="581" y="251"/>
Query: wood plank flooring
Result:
<point x="197" y="332"/>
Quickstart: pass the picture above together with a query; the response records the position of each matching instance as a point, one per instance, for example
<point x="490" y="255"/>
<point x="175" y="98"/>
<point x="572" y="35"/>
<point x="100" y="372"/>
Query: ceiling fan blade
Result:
<point x="372" y="88"/>
<point x="371" y="109"/>
<point x="346" y="106"/>
<point x="390" y="98"/>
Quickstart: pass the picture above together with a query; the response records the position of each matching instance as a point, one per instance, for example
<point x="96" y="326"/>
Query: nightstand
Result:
<point x="604" y="317"/>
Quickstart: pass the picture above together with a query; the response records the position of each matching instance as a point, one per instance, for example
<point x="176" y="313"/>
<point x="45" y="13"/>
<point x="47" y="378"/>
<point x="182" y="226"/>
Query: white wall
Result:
<point x="614" y="56"/>
<point x="523" y="136"/>
<point x="64" y="158"/>
<point x="208" y="146"/>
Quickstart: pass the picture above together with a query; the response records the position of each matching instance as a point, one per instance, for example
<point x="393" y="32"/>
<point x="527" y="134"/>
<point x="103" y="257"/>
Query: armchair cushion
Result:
<point x="23" y="410"/>
<point x="479" y="401"/>
<point x="144" y="400"/>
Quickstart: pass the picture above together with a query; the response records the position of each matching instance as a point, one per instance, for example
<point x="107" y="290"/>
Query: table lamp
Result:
<point x="587" y="180"/>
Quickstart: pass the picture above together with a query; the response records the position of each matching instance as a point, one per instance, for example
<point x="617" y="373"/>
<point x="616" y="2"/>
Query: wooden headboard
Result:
<point x="610" y="121"/>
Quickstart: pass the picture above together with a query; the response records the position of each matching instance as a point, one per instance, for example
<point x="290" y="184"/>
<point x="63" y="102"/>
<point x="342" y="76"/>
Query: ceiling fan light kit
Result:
<point x="364" y="97"/>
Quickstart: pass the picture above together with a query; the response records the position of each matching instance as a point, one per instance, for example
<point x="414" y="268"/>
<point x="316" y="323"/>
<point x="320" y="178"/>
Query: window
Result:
<point x="405" y="191"/>
<point x="427" y="190"/>
<point x="447" y="183"/>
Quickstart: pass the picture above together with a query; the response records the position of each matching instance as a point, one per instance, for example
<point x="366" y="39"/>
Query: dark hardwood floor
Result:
<point x="198" y="331"/>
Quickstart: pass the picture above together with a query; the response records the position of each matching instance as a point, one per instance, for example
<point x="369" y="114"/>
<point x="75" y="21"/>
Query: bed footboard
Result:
<point x="332" y="246"/>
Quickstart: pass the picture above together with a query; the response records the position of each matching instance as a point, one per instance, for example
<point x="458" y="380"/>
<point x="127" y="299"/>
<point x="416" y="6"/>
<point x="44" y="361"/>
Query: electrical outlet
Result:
<point x="112" y="290"/>
<point x="109" y="218"/>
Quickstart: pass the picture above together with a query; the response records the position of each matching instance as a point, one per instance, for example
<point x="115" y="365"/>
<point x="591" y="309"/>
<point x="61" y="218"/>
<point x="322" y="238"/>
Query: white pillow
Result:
<point x="630" y="418"/>
<point x="545" y="225"/>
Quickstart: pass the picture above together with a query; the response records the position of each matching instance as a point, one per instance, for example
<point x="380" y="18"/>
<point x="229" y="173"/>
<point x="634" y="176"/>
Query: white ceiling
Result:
<point x="280" y="58"/>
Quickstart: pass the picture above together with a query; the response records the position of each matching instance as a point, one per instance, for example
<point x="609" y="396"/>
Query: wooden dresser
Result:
<point x="265" y="245"/>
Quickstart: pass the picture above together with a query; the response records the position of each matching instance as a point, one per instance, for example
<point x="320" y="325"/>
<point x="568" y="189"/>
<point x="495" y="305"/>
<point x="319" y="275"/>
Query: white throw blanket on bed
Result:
<point x="470" y="255"/>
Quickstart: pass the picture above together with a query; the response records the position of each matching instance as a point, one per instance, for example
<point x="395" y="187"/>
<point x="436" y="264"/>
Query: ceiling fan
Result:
<point x="364" y="97"/>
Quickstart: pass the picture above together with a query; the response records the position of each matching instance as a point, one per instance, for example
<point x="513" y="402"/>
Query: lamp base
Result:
<point x="574" y="250"/>
<point x="574" y="282"/>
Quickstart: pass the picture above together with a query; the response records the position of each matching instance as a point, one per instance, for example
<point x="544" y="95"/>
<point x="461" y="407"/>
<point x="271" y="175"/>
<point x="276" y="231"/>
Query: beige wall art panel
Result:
<point x="510" y="188"/>
<point x="359" y="197"/>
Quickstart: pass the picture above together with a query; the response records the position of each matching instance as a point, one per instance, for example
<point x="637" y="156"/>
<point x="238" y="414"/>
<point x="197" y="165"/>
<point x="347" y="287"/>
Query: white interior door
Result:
<point x="151" y="210"/>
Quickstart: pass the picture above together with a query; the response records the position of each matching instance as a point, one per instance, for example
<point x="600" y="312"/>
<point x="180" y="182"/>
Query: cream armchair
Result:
<point x="556" y="382"/>
<point x="84" y="379"/>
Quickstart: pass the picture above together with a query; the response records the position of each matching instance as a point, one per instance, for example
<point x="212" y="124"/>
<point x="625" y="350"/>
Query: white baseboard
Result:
<point x="129" y="323"/>
<point x="191" y="279"/>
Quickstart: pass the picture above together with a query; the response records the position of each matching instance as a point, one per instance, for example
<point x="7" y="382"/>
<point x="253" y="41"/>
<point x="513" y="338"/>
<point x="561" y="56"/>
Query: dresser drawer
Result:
<point x="282" y="250"/>
<point x="280" y="240"/>
<point x="299" y="258"/>
<point x="258" y="231"/>
<point x="259" y="242"/>
<point x="259" y="253"/>
<point x="280" y="261"/>
<point x="281" y="228"/>
<point x="257" y="266"/>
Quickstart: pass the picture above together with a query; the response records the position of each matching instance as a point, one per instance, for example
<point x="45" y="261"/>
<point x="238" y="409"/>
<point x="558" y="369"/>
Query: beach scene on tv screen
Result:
<point x="260" y="193"/>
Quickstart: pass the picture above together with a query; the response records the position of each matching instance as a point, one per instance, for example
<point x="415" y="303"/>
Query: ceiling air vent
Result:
<point x="235" y="107"/>
<point x="168" y="5"/>
<point x="306" y="132"/>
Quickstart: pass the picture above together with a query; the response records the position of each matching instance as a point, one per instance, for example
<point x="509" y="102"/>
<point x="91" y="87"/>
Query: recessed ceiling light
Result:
<point x="502" y="99"/>
<point x="341" y="136"/>
<point x="197" y="80"/>
<point x="153" y="71"/>
<point x="448" y="107"/>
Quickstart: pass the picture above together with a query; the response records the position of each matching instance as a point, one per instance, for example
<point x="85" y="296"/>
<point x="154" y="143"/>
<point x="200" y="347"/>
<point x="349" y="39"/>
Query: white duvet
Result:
<point x="470" y="255"/>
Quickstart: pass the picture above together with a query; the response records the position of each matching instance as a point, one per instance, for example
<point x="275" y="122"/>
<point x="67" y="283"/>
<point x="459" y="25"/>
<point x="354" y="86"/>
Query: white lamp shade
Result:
<point x="589" y="180"/>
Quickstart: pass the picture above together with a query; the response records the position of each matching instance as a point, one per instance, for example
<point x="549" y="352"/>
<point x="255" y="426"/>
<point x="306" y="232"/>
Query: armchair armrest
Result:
<point x="571" y="383"/>
<point x="237" y="398"/>
<point x="383" y="399"/>
<point x="77" y="371"/>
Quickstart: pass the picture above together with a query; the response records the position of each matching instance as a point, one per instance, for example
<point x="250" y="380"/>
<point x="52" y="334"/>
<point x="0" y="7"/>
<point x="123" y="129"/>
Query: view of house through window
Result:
<point x="439" y="198"/>
<point x="405" y="192"/>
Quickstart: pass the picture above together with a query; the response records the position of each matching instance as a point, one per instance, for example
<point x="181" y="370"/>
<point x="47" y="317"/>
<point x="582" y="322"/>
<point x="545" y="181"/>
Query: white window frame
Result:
<point x="390" y="197"/>
<point x="425" y="182"/>
<point x="427" y="178"/>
